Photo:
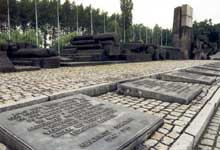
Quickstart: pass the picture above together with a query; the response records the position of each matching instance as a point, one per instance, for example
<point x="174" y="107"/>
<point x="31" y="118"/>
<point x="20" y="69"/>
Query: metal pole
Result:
<point x="58" y="27"/>
<point x="124" y="29"/>
<point x="91" y="20"/>
<point x="166" y="39"/>
<point x="9" y="24"/>
<point x="140" y="34"/>
<point x="133" y="33"/>
<point x="77" y="20"/>
<point x="161" y="38"/>
<point x="104" y="22"/>
<point x="115" y="23"/>
<point x="146" y="36"/>
<point x="153" y="36"/>
<point x="36" y="23"/>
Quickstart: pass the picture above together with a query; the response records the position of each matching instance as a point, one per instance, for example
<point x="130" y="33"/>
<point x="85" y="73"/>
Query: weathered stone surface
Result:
<point x="5" y="64"/>
<point x="76" y="122"/>
<point x="179" y="76"/>
<point x="209" y="68"/>
<point x="202" y="71"/>
<point x="161" y="90"/>
<point x="182" y="29"/>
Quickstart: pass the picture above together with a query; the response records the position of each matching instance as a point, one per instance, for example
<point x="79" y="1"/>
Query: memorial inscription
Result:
<point x="209" y="68"/>
<point x="161" y="90"/>
<point x="76" y="122"/>
<point x="202" y="71"/>
<point x="178" y="76"/>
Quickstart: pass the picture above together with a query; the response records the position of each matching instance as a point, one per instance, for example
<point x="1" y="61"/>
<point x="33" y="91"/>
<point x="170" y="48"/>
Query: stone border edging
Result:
<point x="189" y="139"/>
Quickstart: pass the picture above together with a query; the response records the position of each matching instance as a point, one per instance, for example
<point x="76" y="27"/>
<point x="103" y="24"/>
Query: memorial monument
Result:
<point x="77" y="122"/>
<point x="100" y="47"/>
<point x="26" y="54"/>
<point x="180" y="76"/>
<point x="161" y="90"/>
<point x="182" y="29"/>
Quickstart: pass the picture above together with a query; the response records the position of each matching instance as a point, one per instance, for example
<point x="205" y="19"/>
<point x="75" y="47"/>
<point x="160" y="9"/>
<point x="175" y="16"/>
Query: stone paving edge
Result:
<point x="189" y="139"/>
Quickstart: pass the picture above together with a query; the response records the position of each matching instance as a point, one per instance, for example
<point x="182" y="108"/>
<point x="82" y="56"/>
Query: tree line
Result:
<point x="22" y="18"/>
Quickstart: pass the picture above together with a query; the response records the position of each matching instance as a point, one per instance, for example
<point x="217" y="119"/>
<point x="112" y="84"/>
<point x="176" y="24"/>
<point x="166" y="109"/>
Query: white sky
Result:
<point x="151" y="12"/>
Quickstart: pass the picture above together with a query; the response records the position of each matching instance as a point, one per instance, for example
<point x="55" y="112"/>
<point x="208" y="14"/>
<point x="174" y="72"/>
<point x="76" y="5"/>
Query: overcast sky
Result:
<point x="151" y="12"/>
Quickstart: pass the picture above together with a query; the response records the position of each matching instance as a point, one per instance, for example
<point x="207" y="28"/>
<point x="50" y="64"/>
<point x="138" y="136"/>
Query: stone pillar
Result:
<point x="182" y="29"/>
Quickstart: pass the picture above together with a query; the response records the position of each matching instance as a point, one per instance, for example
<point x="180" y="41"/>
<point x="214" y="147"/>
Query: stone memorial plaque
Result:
<point x="75" y="123"/>
<point x="217" y="65"/>
<point x="161" y="90"/>
<point x="202" y="71"/>
<point x="178" y="76"/>
<point x="209" y="68"/>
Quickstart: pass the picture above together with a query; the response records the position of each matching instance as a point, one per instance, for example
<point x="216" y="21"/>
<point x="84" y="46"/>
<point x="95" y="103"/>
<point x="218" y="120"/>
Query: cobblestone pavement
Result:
<point x="22" y="85"/>
<point x="211" y="137"/>
<point x="176" y="116"/>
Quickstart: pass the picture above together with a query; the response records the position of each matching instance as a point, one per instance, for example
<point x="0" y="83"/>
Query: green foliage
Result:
<point x="64" y="40"/>
<point x="23" y="18"/>
<point x="206" y="31"/>
<point x="3" y="37"/>
<point x="16" y="36"/>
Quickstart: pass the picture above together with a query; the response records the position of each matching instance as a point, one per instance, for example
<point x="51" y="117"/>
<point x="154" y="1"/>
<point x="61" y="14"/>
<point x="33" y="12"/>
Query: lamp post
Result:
<point x="161" y="37"/>
<point x="58" y="27"/>
<point x="104" y="23"/>
<point x="115" y="23"/>
<point x="91" y="17"/>
<point x="77" y="20"/>
<point x="146" y="32"/>
<point x="36" y="22"/>
<point x="124" y="29"/>
<point x="9" y="24"/>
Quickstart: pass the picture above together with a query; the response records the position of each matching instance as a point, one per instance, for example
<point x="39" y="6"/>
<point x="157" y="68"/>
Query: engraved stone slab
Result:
<point x="161" y="90"/>
<point x="75" y="123"/>
<point x="216" y="64"/>
<point x="178" y="76"/>
<point x="203" y="71"/>
<point x="209" y="68"/>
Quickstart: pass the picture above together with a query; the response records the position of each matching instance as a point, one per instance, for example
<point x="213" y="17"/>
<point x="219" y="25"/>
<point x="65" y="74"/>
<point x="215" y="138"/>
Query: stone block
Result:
<point x="75" y="123"/>
<point x="185" y="142"/>
<point x="161" y="90"/>
<point x="178" y="76"/>
<point x="202" y="71"/>
<point x="5" y="64"/>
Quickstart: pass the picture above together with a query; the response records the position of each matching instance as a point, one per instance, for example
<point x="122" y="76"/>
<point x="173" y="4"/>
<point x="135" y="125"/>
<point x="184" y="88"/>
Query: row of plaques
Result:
<point x="81" y="122"/>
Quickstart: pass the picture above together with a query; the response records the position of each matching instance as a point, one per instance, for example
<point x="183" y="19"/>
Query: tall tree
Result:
<point x="126" y="20"/>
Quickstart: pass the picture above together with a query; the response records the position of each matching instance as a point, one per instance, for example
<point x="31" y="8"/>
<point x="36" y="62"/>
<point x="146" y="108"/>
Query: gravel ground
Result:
<point x="22" y="85"/>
